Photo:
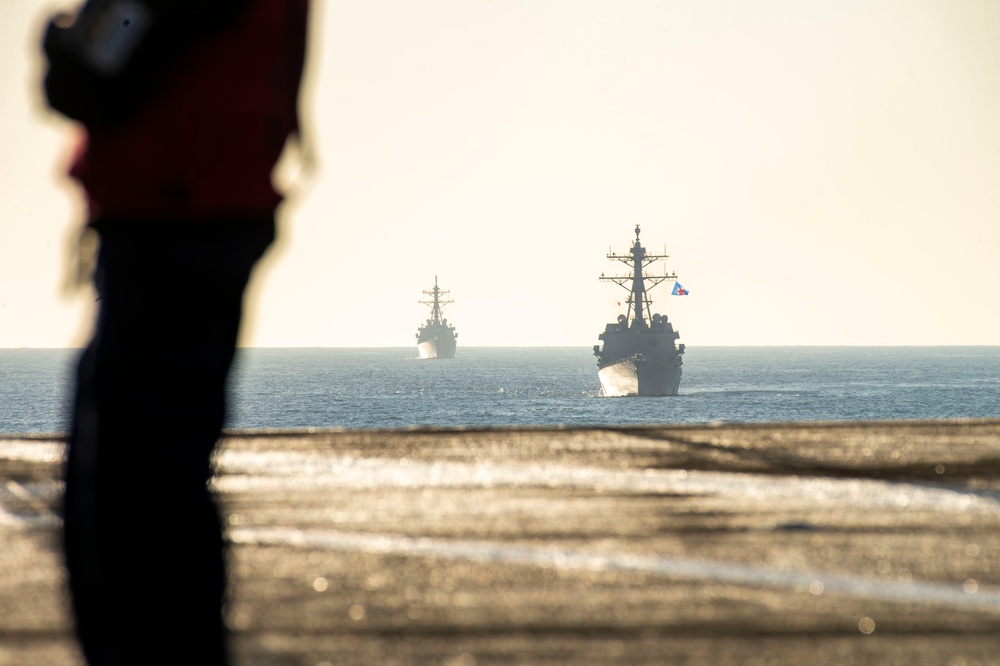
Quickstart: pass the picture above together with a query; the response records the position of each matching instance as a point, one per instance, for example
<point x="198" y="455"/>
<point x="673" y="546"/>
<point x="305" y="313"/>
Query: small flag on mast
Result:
<point x="679" y="290"/>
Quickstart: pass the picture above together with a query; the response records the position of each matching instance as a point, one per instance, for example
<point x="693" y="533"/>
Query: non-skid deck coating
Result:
<point x="850" y="543"/>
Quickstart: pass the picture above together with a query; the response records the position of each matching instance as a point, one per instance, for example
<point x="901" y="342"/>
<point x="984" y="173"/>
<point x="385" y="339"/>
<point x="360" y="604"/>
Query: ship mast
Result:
<point x="637" y="259"/>
<point x="437" y="302"/>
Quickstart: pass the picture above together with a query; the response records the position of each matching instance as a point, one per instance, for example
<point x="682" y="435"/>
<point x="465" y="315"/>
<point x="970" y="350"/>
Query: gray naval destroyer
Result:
<point x="436" y="338"/>
<point x="640" y="354"/>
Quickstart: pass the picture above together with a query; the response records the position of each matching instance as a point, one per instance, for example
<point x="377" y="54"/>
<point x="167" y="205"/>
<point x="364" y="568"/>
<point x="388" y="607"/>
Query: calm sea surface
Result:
<point x="391" y="388"/>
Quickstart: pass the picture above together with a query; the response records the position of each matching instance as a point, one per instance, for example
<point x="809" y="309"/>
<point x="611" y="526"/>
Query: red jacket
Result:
<point x="206" y="141"/>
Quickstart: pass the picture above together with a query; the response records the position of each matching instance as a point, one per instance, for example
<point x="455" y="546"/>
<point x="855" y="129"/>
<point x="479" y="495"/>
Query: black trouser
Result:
<point x="143" y="541"/>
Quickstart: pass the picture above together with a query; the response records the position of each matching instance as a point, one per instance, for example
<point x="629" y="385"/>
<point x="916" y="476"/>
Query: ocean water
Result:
<point x="392" y="388"/>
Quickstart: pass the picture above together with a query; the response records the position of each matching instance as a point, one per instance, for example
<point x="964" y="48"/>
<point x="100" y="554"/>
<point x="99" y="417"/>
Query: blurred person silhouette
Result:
<point x="186" y="106"/>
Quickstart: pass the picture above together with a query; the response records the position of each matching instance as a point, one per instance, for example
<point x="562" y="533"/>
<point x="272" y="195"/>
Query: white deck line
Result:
<point x="938" y="594"/>
<point x="304" y="472"/>
<point x="43" y="516"/>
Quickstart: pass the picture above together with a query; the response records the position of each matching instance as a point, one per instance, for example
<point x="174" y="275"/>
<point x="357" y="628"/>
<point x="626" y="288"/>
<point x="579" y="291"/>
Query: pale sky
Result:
<point x="821" y="173"/>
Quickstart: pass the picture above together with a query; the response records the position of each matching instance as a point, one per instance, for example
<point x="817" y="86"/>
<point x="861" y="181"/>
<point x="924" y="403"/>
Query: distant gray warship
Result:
<point x="640" y="355"/>
<point x="436" y="338"/>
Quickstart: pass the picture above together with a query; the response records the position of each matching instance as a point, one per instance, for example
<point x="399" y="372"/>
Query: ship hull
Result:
<point x="437" y="348"/>
<point x="636" y="376"/>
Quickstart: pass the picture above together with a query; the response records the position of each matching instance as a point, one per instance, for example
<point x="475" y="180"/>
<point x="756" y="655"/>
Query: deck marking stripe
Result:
<point x="941" y="594"/>
<point x="44" y="517"/>
<point x="284" y="471"/>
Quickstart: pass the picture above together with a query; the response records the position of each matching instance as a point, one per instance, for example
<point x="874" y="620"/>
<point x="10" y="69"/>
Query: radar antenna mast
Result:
<point x="437" y="302"/>
<point x="638" y="299"/>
